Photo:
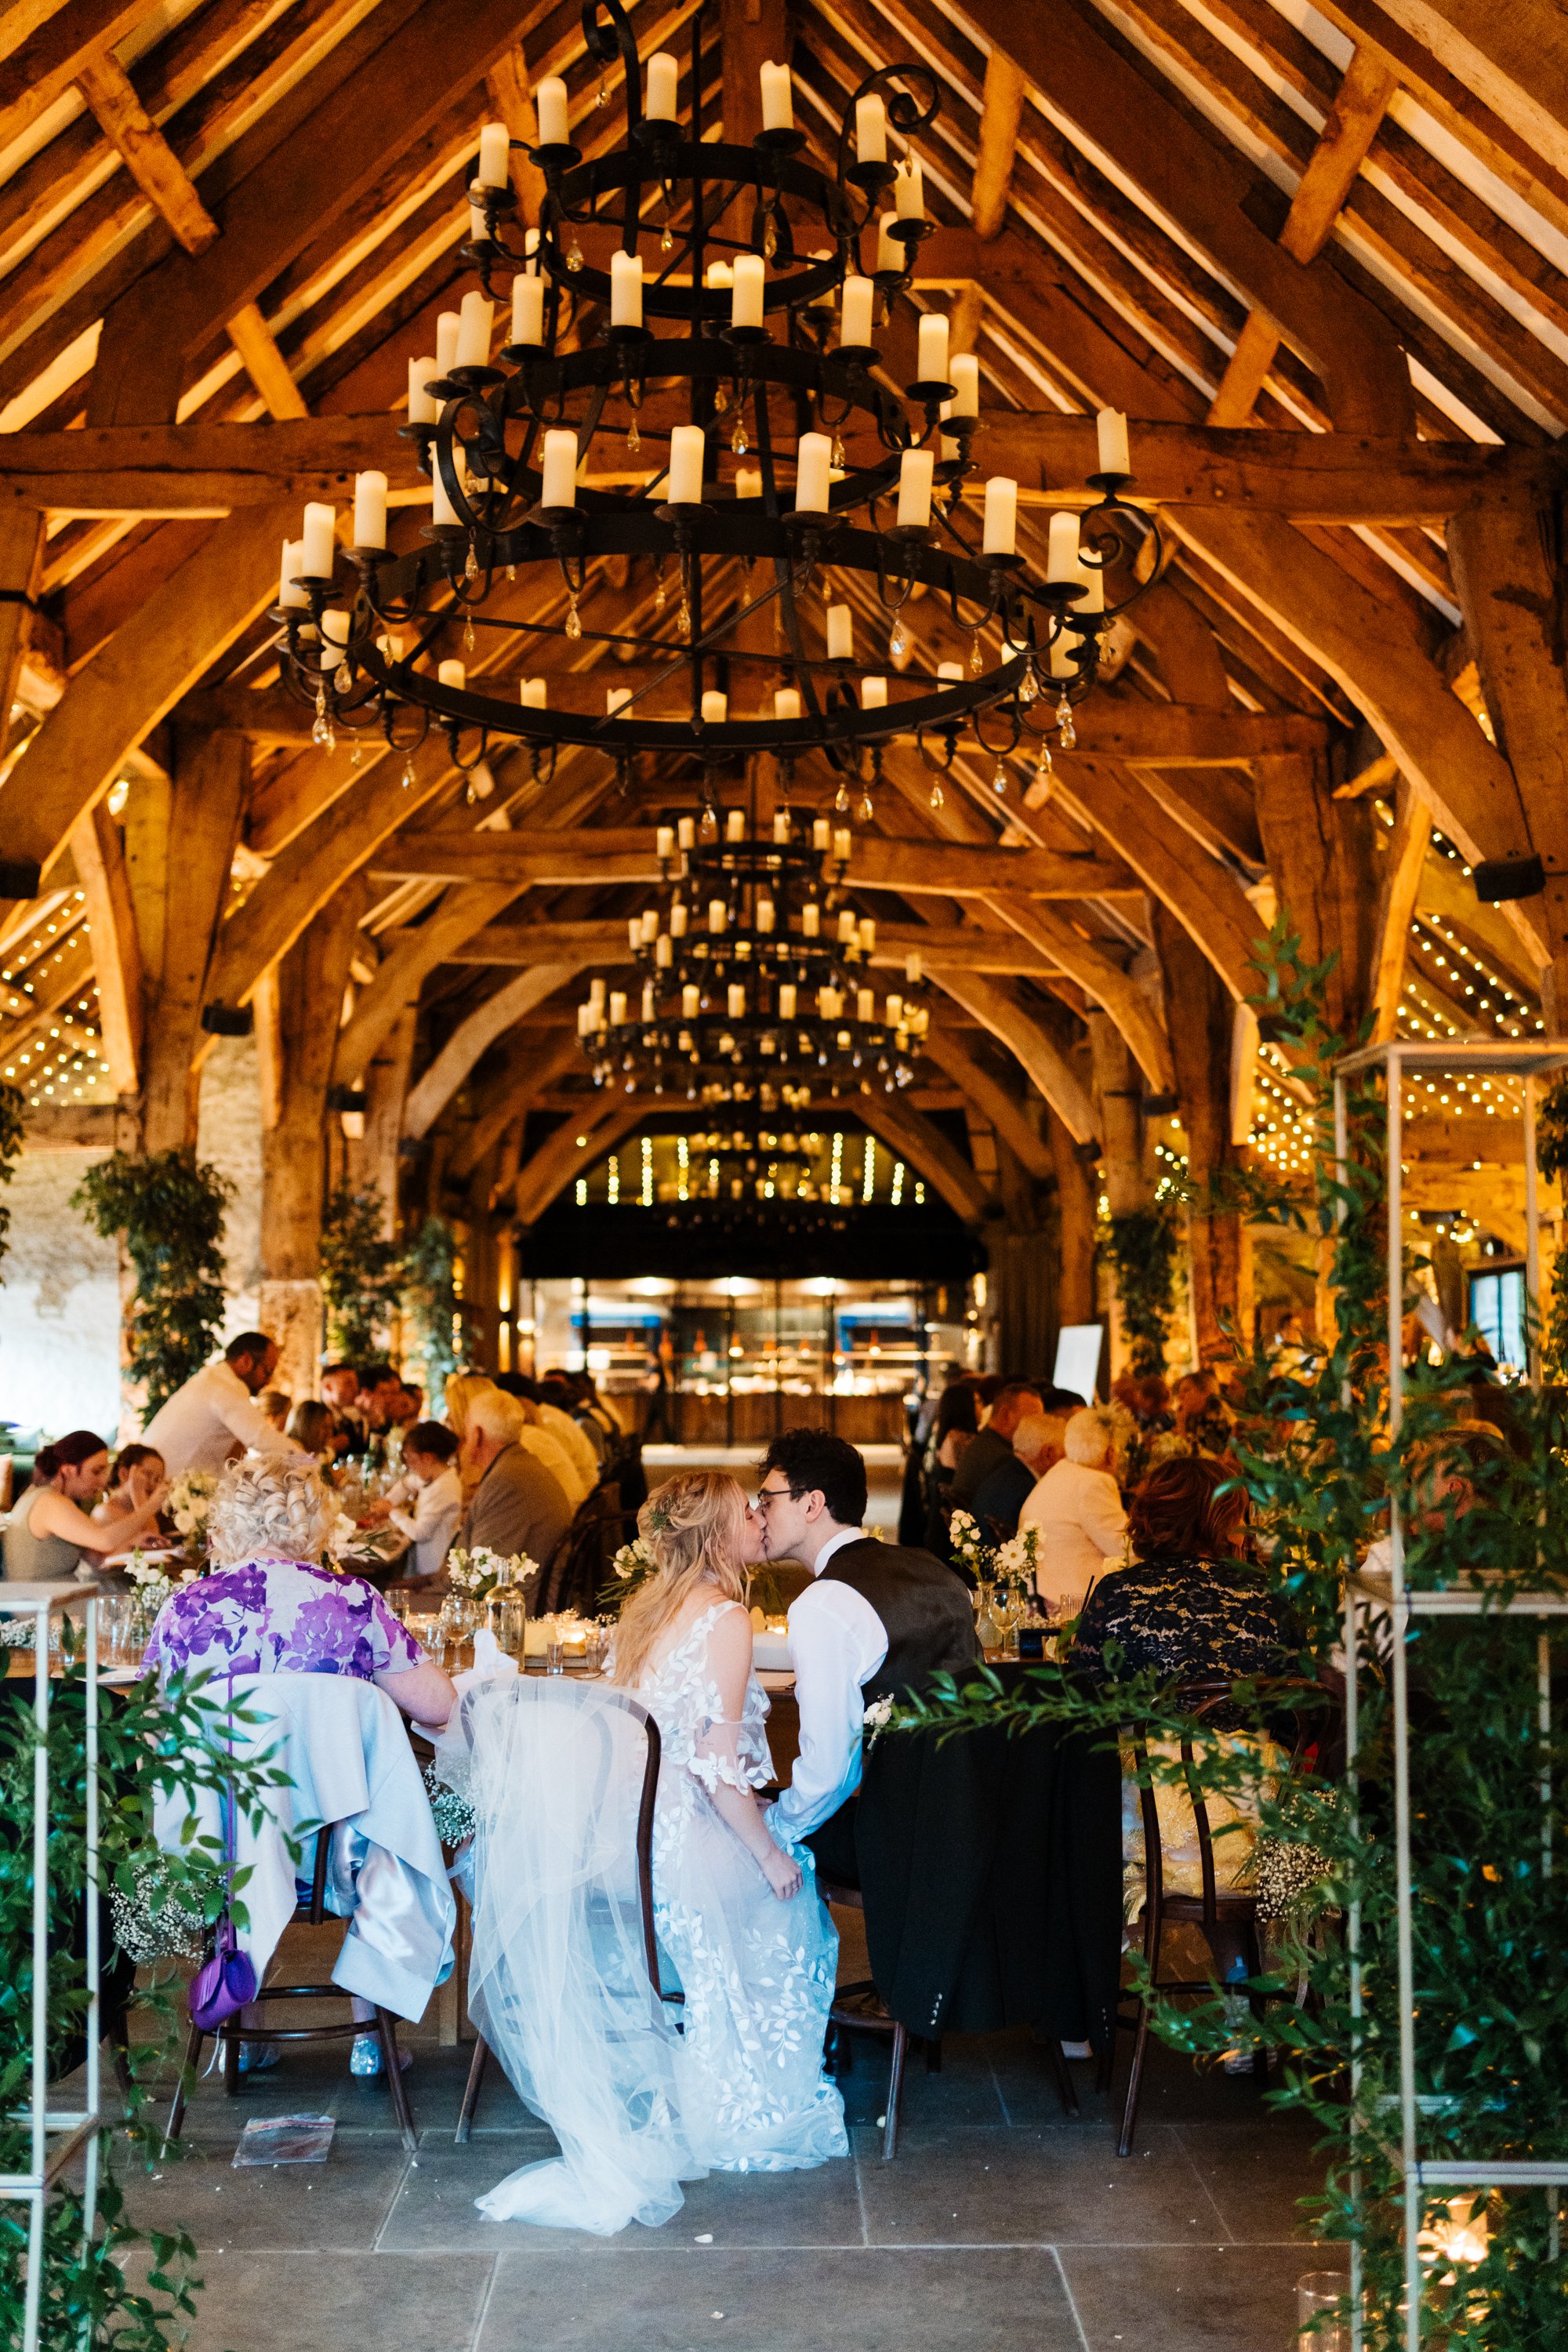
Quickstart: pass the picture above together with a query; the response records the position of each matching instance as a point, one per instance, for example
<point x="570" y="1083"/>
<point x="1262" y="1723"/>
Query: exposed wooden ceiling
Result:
<point x="1320" y="255"/>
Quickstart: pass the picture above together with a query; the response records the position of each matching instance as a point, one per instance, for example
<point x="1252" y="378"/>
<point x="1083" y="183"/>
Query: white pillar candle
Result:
<point x="1001" y="516"/>
<point x="824" y="1003"/>
<point x="550" y="99"/>
<point x="663" y="951"/>
<point x="865" y="1005"/>
<point x="422" y="408"/>
<point x="442" y="510"/>
<point x="841" y="633"/>
<point x="664" y="840"/>
<point x="842" y="843"/>
<point x="931" y="366"/>
<point x="685" y="831"/>
<point x="526" y="308"/>
<point x="334" y="640"/>
<point x="634" y="933"/>
<point x="560" y="488"/>
<point x="494" y="146"/>
<point x="319" y="542"/>
<point x="748" y="482"/>
<point x="873" y="694"/>
<point x="787" y="999"/>
<point x="814" y="456"/>
<point x="913" y="968"/>
<point x="649" y="926"/>
<point x="949" y="673"/>
<point x="687" y="449"/>
<point x="650" y="1002"/>
<point x="890" y="252"/>
<point x="532" y="693"/>
<point x="895" y="1010"/>
<point x="453" y="674"/>
<point x="289" y="591"/>
<point x="715" y="709"/>
<point x="786" y="705"/>
<point x="765" y="915"/>
<point x="597" y="993"/>
<point x="479" y="228"/>
<point x="617" y="1007"/>
<point x="690" y="1003"/>
<point x="370" y="510"/>
<point x="448" y="326"/>
<point x="474" y="331"/>
<point x="746" y="292"/>
<point x="867" y="935"/>
<point x="663" y="79"/>
<point x="778" y="104"/>
<point x="735" y="825"/>
<point x="821" y="833"/>
<point x="908" y="189"/>
<point x="390" y="648"/>
<point x="679" y="916"/>
<point x="718" y="916"/>
<point x="963" y="375"/>
<point x="587" y="1020"/>
<point x="870" y="130"/>
<point x="811" y="913"/>
<point x="735" y="1002"/>
<point x="1111" y="438"/>
<point x="855" y="318"/>
<point x="849" y="933"/>
<point x="719" y="276"/>
<point x="916" y="468"/>
<point x="615" y="698"/>
<point x="1062" y="664"/>
<point x="626" y="289"/>
<point x="781" y="821"/>
<point x="1093" y="579"/>
<point x="1061" y="548"/>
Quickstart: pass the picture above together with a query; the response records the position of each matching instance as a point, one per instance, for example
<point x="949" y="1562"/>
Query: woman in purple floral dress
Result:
<point x="270" y="1608"/>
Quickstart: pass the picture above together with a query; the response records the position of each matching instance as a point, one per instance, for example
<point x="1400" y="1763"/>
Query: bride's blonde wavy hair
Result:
<point x="691" y="1528"/>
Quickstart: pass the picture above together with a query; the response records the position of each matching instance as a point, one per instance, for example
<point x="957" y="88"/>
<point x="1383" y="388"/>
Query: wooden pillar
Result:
<point x="1507" y="562"/>
<point x="312" y="979"/>
<point x="1075" y="1225"/>
<point x="1201" y="1017"/>
<point x="371" y="1159"/>
<point x="479" y="1263"/>
<point x="1324" y="867"/>
<point x="181" y="888"/>
<point x="22" y="544"/>
<point x="1119" y="1088"/>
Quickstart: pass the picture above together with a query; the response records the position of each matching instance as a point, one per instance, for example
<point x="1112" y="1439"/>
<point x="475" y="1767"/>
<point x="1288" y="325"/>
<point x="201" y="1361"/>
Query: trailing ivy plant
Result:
<point x="430" y="1292"/>
<point x="1143" y="1250"/>
<point x="150" y="1743"/>
<point x="1489" y="1918"/>
<point x="363" y="1273"/>
<point x="168" y="1208"/>
<point x="1552" y="1158"/>
<point x="12" y="1103"/>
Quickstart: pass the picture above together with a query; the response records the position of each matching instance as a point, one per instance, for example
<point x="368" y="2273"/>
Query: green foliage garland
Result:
<point x="431" y="1292"/>
<point x="168" y="1208"/>
<point x="362" y="1272"/>
<point x="148" y="1742"/>
<point x="10" y="1106"/>
<point x="1142" y="1246"/>
<point x="1552" y="1158"/>
<point x="1491" y="1913"/>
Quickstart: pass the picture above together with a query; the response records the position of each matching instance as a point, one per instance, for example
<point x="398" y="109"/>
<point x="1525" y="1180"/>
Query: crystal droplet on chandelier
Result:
<point x="707" y="829"/>
<point x="683" y="618"/>
<point x="573" y="619"/>
<point x="511" y="571"/>
<point x="841" y="802"/>
<point x="357" y="754"/>
<point x="633" y="438"/>
<point x="836" y="454"/>
<point x="899" y="641"/>
<point x="573" y="255"/>
<point x="471" y="568"/>
<point x="739" y="441"/>
<point x="976" y="659"/>
<point x="721" y="399"/>
<point x="938" y="797"/>
<point x="408" y="772"/>
<point x="322" y="733"/>
<point x="999" y="780"/>
<point x="601" y="96"/>
<point x="1069" y="732"/>
<point x="1028" y="691"/>
<point x="865" y="812"/>
<point x="468" y="635"/>
<point x="660" y="592"/>
<point x="668" y="239"/>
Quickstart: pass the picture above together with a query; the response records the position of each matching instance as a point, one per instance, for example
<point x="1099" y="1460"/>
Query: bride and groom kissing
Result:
<point x="719" y="2067"/>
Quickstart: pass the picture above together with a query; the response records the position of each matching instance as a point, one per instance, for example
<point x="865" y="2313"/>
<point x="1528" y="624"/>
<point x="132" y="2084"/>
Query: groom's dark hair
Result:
<point x="815" y="1459"/>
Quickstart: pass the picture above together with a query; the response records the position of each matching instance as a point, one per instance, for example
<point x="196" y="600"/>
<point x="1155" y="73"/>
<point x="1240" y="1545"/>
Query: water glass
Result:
<point x="1318" y="2292"/>
<point x="597" y="1642"/>
<point x="554" y="1654"/>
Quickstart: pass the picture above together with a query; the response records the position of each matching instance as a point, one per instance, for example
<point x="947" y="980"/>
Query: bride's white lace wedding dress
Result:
<point x="641" y="2094"/>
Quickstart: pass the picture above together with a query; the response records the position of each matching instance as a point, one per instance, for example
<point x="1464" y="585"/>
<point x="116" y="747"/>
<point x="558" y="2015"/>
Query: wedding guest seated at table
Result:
<point x="275" y="1404"/>
<point x="314" y="1426"/>
<point x="138" y="1469"/>
<point x="572" y="1463"/>
<point x="954" y="1428"/>
<point x="1016" y="1401"/>
<point x="1076" y="1507"/>
<point x="514" y="1504"/>
<point x="339" y="1388"/>
<point x="378" y="1388"/>
<point x="214" y="1416"/>
<point x="49" y="1538"/>
<point x="1002" y="1494"/>
<point x="430" y="1482"/>
<point x="269" y="1607"/>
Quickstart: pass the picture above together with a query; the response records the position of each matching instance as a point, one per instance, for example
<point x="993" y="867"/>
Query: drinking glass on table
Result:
<point x="594" y="1646"/>
<point x="509" y="1623"/>
<point x="554" y="1649"/>
<point x="1007" y="1610"/>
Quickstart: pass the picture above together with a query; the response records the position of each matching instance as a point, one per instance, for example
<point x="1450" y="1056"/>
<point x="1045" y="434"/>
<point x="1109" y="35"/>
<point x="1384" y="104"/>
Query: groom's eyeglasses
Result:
<point x="766" y="1495"/>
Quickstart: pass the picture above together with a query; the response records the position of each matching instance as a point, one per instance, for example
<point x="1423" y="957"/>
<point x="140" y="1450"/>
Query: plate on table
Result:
<point x="770" y="1650"/>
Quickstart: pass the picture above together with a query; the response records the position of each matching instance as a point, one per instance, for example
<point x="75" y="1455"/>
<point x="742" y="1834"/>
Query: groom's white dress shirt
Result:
<point x="836" y="1642"/>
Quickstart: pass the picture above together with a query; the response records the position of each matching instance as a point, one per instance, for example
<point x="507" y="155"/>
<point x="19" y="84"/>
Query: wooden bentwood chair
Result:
<point x="603" y="1695"/>
<point x="231" y="2033"/>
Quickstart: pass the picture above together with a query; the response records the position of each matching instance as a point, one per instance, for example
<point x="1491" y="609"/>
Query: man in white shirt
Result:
<point x="214" y="1416"/>
<point x="876" y="1620"/>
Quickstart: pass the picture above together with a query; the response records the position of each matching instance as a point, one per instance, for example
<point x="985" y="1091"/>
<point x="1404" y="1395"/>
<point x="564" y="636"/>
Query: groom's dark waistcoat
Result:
<point x="924" y="1608"/>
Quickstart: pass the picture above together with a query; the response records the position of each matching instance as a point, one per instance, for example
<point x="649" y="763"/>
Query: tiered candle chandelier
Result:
<point x="756" y="982"/>
<point x="769" y="352"/>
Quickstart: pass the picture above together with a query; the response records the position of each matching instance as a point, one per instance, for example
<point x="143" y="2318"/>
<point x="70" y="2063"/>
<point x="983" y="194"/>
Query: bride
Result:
<point x="641" y="2093"/>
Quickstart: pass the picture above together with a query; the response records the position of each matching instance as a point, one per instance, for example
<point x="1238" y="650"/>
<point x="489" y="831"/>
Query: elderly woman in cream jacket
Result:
<point x="1076" y="1507"/>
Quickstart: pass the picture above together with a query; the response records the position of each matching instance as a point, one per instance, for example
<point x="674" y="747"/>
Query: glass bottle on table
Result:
<point x="987" y="1631"/>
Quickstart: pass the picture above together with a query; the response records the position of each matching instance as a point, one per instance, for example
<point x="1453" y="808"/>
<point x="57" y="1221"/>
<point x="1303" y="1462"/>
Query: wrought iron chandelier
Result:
<point x="756" y="981"/>
<point x="769" y="352"/>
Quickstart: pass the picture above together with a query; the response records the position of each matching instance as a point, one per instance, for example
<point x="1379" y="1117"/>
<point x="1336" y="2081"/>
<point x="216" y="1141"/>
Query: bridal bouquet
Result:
<point x="480" y="1572"/>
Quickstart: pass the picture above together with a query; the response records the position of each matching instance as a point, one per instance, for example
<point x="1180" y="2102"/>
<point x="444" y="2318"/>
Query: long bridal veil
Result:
<point x="558" y="1980"/>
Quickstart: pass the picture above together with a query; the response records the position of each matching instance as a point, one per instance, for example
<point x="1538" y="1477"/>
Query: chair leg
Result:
<point x="895" y="2095"/>
<point x="471" y="2089"/>
<point x="230" y="2037"/>
<point x="1134" y="2083"/>
<point x="1067" y="2089"/>
<point x="392" y="2064"/>
<point x="189" y="2065"/>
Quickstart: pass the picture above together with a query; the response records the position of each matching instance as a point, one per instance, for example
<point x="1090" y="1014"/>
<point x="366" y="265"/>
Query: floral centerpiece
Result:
<point x="480" y="1572"/>
<point x="190" y="1505"/>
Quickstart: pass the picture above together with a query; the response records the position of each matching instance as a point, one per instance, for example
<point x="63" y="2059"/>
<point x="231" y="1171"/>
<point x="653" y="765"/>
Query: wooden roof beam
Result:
<point x="605" y="940"/>
<point x="1001" y="111"/>
<point x="145" y="152"/>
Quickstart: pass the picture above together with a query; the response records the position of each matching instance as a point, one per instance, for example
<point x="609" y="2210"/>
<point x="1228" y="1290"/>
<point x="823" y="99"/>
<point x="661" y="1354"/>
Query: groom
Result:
<point x="876" y="1618"/>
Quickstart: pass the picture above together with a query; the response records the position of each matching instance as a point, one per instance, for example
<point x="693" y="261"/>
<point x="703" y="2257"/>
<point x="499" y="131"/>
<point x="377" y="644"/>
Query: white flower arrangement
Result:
<point x="153" y="1585"/>
<point x="190" y="1505"/>
<point x="969" y="1547"/>
<point x="480" y="1572"/>
<point x="633" y="1561"/>
<point x="1017" y="1558"/>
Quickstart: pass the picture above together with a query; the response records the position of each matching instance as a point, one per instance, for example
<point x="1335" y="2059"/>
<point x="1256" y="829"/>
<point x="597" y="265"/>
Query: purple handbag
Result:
<point x="222" y="1986"/>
